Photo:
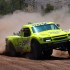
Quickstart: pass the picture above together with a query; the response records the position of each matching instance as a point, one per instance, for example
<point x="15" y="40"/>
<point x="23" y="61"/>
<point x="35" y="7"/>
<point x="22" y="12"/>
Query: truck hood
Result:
<point x="51" y="33"/>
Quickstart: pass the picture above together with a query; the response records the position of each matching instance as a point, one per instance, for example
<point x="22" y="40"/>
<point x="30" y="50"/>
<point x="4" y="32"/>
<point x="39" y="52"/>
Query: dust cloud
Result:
<point x="13" y="22"/>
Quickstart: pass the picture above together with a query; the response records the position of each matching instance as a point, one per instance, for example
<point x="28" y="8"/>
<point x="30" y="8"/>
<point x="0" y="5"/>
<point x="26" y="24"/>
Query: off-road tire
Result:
<point x="10" y="51"/>
<point x="36" y="50"/>
<point x="47" y="52"/>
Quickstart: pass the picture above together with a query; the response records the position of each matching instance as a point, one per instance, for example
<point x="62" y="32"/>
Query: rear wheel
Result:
<point x="36" y="50"/>
<point x="10" y="50"/>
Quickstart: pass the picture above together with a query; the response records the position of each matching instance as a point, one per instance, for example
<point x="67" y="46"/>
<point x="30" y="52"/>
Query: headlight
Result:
<point x="47" y="39"/>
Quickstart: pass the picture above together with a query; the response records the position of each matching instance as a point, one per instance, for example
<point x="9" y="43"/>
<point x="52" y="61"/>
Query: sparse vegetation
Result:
<point x="49" y="8"/>
<point x="9" y="6"/>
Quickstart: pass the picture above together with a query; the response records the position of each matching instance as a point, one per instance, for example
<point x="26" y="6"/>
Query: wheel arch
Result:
<point x="9" y="40"/>
<point x="33" y="40"/>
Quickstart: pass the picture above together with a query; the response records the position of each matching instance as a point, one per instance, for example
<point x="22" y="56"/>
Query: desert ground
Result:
<point x="13" y="22"/>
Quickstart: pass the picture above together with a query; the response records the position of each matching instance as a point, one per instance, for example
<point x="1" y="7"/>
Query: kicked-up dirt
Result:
<point x="11" y="23"/>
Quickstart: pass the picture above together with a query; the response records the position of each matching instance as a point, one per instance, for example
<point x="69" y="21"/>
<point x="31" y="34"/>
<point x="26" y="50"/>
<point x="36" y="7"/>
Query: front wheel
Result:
<point x="36" y="50"/>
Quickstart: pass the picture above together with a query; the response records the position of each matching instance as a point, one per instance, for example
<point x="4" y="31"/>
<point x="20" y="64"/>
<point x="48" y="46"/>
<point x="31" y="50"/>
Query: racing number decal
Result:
<point x="25" y="42"/>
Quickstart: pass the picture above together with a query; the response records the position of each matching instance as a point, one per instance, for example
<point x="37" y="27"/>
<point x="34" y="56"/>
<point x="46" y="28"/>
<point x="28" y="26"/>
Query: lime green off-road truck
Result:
<point x="38" y="39"/>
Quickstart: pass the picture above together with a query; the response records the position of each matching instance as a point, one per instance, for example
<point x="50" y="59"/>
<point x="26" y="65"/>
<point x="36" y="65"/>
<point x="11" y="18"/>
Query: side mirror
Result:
<point x="58" y="25"/>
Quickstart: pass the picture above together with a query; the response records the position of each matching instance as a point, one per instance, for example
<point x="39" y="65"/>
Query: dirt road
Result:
<point x="21" y="63"/>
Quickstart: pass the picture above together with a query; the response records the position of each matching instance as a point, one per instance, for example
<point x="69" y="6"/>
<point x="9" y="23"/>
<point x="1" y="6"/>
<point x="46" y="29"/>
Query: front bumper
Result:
<point x="62" y="45"/>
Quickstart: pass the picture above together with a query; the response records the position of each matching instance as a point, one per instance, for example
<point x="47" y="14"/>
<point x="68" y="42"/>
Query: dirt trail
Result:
<point x="12" y="23"/>
<point x="16" y="63"/>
